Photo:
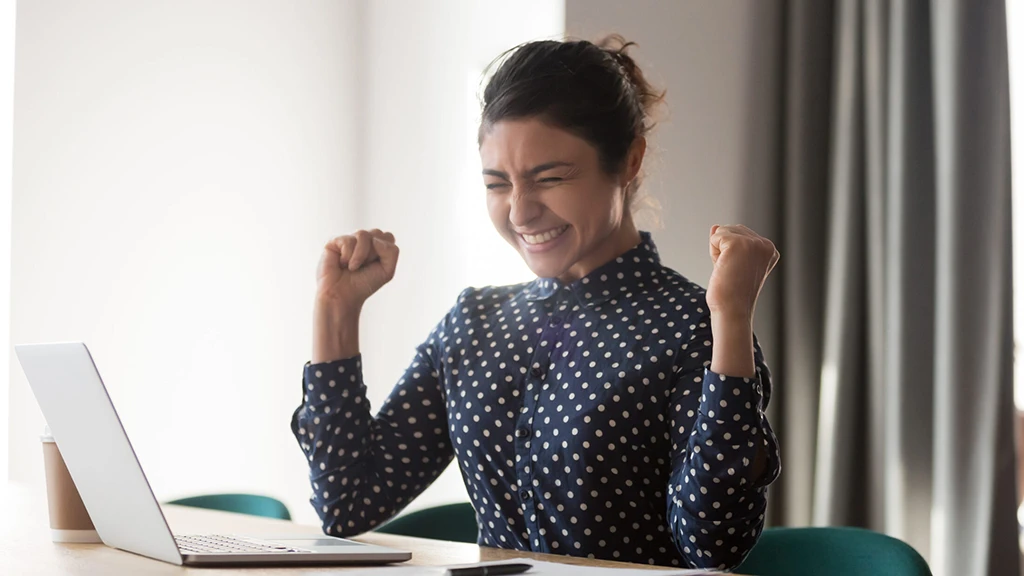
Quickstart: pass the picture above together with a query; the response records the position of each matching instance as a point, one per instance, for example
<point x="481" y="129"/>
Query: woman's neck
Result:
<point x="614" y="245"/>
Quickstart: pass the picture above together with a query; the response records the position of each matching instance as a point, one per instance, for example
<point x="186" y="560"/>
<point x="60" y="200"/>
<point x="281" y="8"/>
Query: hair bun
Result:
<point x="648" y="98"/>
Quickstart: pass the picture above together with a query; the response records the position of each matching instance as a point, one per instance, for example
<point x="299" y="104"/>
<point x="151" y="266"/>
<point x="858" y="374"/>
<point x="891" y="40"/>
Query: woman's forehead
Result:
<point x="530" y="141"/>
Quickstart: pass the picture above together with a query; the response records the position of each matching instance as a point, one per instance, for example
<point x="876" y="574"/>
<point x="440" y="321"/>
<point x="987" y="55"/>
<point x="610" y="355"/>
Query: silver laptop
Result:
<point x="114" y="488"/>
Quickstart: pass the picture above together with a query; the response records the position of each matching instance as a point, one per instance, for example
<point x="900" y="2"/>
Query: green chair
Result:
<point x="240" y="503"/>
<point x="779" y="552"/>
<point x="832" y="551"/>
<point x="454" y="522"/>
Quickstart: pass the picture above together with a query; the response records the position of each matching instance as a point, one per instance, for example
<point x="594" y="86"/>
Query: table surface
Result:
<point x="26" y="547"/>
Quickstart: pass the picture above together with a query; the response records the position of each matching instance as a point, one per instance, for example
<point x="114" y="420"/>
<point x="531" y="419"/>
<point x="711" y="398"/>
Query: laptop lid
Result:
<point x="96" y="449"/>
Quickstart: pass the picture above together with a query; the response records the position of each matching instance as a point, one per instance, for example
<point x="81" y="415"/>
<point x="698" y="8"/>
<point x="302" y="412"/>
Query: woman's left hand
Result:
<point x="742" y="259"/>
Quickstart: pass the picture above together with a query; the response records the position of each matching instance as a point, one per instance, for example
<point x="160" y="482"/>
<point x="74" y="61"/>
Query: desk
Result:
<point x="25" y="546"/>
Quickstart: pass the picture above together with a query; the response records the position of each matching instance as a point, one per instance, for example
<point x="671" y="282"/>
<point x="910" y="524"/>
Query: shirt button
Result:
<point x="522" y="432"/>
<point x="555" y="321"/>
<point x="537" y="372"/>
<point x="525" y="494"/>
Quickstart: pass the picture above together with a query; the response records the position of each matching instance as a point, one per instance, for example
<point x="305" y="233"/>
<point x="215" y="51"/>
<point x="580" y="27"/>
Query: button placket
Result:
<point x="525" y="430"/>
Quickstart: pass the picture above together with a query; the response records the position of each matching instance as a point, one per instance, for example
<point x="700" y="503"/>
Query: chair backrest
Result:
<point x="832" y="551"/>
<point x="250" y="504"/>
<point x="779" y="552"/>
<point x="454" y="522"/>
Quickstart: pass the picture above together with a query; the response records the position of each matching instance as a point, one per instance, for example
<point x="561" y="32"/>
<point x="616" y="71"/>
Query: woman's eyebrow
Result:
<point x="497" y="173"/>
<point x="547" y="166"/>
<point x="532" y="171"/>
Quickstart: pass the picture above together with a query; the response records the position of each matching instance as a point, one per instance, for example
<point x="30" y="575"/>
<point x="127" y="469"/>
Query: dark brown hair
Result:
<point x="595" y="91"/>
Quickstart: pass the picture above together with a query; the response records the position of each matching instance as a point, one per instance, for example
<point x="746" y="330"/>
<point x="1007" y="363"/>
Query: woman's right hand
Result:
<point x="353" y="267"/>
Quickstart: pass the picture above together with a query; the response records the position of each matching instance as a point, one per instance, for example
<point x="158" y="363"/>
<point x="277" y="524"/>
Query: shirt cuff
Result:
<point x="327" y="380"/>
<point x="731" y="399"/>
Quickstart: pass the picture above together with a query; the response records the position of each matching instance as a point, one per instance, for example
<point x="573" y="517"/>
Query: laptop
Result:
<point x="114" y="488"/>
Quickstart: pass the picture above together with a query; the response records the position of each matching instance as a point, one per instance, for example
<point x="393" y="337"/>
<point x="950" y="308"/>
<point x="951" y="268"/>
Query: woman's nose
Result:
<point x="523" y="209"/>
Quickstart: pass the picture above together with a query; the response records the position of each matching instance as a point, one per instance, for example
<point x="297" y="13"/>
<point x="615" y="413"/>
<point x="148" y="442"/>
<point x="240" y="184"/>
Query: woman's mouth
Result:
<point x="544" y="240"/>
<point x="544" y="237"/>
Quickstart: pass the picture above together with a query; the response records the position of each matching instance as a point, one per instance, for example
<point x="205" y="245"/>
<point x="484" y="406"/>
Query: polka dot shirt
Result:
<point x="583" y="416"/>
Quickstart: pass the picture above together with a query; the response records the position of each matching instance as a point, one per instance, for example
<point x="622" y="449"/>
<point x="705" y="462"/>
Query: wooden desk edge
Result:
<point x="426" y="552"/>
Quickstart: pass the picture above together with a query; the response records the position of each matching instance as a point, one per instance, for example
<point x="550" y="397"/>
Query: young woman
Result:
<point x="610" y="408"/>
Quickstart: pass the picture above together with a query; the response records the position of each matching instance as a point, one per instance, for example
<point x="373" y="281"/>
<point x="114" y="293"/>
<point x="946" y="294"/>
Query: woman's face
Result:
<point x="549" y="198"/>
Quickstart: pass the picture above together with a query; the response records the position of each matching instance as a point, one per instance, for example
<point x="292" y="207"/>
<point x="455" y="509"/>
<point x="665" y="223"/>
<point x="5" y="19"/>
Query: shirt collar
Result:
<point x="638" y="270"/>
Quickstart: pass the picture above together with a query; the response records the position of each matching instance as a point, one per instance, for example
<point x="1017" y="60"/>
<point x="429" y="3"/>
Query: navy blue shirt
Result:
<point x="583" y="416"/>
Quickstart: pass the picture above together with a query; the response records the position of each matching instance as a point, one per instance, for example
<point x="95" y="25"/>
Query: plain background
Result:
<point x="178" y="167"/>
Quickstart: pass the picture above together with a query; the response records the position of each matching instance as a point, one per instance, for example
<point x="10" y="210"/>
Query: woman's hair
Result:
<point x="595" y="91"/>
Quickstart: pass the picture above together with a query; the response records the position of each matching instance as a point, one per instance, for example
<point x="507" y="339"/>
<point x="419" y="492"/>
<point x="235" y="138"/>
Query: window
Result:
<point x="1015" y="21"/>
<point x="7" y="24"/>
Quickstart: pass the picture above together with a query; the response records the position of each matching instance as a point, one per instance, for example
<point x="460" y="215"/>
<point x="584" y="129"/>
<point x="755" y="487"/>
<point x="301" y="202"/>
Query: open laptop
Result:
<point x="114" y="488"/>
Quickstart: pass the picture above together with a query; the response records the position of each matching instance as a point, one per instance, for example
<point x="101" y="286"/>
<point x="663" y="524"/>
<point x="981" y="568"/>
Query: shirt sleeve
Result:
<point x="364" y="469"/>
<point x="716" y="505"/>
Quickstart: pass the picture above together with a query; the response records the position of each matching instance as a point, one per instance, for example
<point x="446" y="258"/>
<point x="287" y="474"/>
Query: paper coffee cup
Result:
<point x="69" y="520"/>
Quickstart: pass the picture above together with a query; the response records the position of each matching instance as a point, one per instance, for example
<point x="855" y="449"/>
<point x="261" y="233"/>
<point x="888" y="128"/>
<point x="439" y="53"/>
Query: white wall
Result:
<point x="177" y="168"/>
<point x="422" y="172"/>
<point x="7" y="29"/>
<point x="718" y="62"/>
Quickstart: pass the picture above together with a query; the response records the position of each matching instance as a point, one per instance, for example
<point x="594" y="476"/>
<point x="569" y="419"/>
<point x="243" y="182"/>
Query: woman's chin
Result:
<point x="544" y="267"/>
<point x="551" y="262"/>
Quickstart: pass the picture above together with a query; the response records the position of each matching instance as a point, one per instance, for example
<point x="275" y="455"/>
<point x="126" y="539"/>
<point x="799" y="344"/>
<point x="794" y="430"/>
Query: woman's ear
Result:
<point x="634" y="160"/>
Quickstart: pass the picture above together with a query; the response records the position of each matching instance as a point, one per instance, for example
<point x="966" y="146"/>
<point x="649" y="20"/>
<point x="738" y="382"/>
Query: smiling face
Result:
<point x="549" y="197"/>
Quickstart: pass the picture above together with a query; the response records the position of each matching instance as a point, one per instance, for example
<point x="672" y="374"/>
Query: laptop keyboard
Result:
<point x="216" y="544"/>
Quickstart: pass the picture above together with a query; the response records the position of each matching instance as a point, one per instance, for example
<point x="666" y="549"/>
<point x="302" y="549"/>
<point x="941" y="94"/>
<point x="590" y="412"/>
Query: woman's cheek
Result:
<point x="498" y="212"/>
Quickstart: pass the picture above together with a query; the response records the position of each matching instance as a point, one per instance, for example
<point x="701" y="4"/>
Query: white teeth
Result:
<point x="546" y="236"/>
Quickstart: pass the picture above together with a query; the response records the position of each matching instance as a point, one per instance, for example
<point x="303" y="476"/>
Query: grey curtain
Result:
<point x="891" y="314"/>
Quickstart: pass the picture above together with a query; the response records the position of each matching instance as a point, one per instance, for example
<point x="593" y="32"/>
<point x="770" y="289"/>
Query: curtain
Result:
<point x="890" y="319"/>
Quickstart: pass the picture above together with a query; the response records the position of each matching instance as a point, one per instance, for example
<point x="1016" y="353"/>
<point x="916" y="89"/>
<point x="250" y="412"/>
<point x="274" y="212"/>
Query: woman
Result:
<point x="610" y="408"/>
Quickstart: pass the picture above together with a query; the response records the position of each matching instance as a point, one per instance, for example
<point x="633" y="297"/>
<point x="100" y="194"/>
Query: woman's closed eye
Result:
<point x="545" y="181"/>
<point x="552" y="182"/>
